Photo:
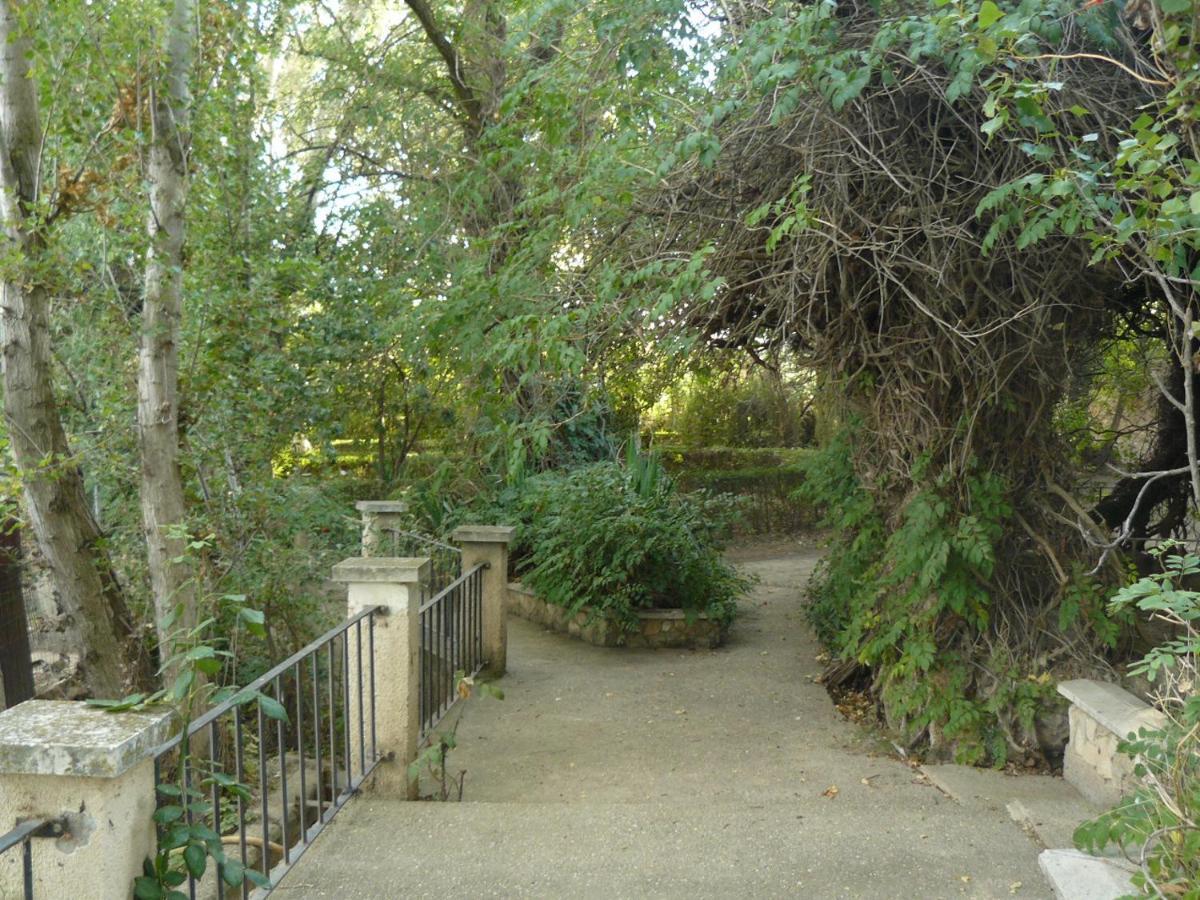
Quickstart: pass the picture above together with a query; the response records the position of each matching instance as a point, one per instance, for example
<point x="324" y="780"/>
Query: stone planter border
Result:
<point x="657" y="627"/>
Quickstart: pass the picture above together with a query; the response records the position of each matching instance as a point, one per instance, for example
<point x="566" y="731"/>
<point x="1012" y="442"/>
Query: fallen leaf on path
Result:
<point x="1014" y="887"/>
<point x="830" y="791"/>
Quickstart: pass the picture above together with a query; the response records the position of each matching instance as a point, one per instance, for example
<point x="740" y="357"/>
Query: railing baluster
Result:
<point x="158" y="829"/>
<point x="316" y="691"/>
<point x="300" y="754"/>
<point x="333" y="774"/>
<point x="262" y="786"/>
<point x="346" y="708"/>
<point x="27" y="866"/>
<point x="186" y="749"/>
<point x="283" y="787"/>
<point x="371" y="650"/>
<point x="213" y="748"/>
<point x="442" y="659"/>
<point x="240" y="770"/>
<point x="362" y="736"/>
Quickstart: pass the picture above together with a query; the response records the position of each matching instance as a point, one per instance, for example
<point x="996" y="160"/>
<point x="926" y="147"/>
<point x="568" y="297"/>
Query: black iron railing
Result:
<point x="23" y="836"/>
<point x="445" y="560"/>
<point x="273" y="777"/>
<point x="451" y="642"/>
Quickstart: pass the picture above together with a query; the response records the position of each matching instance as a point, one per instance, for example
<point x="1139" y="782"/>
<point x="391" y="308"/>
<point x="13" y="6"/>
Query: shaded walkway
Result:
<point x="618" y="773"/>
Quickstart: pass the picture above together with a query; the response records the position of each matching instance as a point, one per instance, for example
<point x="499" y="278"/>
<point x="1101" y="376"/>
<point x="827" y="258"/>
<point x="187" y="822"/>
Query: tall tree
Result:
<point x="66" y="530"/>
<point x="163" y="505"/>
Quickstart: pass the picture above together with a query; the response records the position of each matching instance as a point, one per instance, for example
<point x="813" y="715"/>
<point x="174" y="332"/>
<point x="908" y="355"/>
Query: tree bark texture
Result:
<point x="163" y="506"/>
<point x="58" y="510"/>
<point x="16" y="667"/>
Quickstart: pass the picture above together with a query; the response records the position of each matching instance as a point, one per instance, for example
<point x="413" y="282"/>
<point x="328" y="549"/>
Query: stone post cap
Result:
<point x="484" y="534"/>
<point x="381" y="506"/>
<point x="1113" y="707"/>
<point x="382" y="570"/>
<point x="64" y="737"/>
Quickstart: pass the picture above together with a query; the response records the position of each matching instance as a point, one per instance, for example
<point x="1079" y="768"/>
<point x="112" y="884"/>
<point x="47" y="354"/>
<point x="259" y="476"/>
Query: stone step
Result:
<point x="1046" y="806"/>
<point x="379" y="848"/>
<point x="1075" y="875"/>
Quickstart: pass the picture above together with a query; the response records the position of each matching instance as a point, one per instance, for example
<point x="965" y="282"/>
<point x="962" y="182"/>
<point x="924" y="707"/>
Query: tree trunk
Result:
<point x="15" y="664"/>
<point x="66" y="531"/>
<point x="163" y="508"/>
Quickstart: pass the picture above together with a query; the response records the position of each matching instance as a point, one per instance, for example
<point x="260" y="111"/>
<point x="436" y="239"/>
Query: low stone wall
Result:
<point x="1102" y="715"/>
<point x="657" y="627"/>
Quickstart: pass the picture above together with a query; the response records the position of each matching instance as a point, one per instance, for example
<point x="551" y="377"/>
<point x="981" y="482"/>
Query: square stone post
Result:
<point x="394" y="583"/>
<point x="92" y="771"/>
<point x="377" y="517"/>
<point x="488" y="544"/>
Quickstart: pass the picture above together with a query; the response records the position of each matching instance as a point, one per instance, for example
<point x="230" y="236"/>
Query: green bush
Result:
<point x="909" y="599"/>
<point x="764" y="479"/>
<point x="620" y="538"/>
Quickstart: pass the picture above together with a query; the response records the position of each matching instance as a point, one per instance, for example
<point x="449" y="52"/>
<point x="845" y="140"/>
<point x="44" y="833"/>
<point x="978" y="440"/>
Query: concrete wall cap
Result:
<point x="1113" y="707"/>
<point x="64" y="737"/>
<point x="381" y="506"/>
<point x="382" y="570"/>
<point x="484" y="534"/>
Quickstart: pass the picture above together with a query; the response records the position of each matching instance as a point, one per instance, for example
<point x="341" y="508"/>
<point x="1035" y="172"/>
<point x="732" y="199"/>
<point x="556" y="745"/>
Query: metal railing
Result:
<point x="22" y="836"/>
<point x="451" y="630"/>
<point x="445" y="560"/>
<point x="274" y="781"/>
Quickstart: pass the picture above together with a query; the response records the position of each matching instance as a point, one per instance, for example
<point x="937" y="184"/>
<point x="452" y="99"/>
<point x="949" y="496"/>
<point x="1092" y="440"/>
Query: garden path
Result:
<point x="624" y="773"/>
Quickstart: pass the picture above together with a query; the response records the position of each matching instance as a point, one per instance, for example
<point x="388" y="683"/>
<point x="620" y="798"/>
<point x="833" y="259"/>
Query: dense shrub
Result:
<point x="619" y="538"/>
<point x="739" y="407"/>
<point x="913" y="599"/>
<point x="765" y="481"/>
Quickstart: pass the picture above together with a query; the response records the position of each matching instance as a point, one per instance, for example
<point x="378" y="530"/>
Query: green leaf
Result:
<point x="208" y="666"/>
<point x="1194" y="202"/>
<point x="989" y="14"/>
<point x="991" y="126"/>
<point x="167" y="814"/>
<point x="272" y="708"/>
<point x="254" y="620"/>
<point x="145" y="888"/>
<point x="183" y="684"/>
<point x="195" y="857"/>
<point x="233" y="872"/>
<point x="258" y="878"/>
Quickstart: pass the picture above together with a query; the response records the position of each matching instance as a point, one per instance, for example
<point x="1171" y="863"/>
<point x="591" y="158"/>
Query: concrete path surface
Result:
<point x="613" y="773"/>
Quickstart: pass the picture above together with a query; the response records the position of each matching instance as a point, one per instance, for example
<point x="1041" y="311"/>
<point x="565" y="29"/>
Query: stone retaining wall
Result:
<point x="657" y="627"/>
<point x="1102" y="715"/>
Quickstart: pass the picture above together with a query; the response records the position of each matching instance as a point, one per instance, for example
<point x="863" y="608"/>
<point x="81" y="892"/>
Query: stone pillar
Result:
<point x="92" y="771"/>
<point x="377" y="517"/>
<point x="488" y="544"/>
<point x="394" y="583"/>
